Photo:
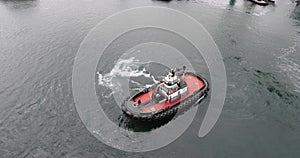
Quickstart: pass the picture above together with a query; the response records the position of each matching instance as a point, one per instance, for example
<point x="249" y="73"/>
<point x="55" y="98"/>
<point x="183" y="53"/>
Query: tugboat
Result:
<point x="176" y="90"/>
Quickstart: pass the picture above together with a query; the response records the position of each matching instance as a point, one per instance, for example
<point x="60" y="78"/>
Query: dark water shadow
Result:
<point x="232" y="2"/>
<point x="20" y="4"/>
<point x="296" y="13"/>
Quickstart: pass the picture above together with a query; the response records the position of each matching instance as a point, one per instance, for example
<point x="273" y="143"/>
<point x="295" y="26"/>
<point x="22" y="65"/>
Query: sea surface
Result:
<point x="39" y="40"/>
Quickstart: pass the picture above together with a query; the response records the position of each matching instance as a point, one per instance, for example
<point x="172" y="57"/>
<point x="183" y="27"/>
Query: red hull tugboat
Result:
<point x="178" y="89"/>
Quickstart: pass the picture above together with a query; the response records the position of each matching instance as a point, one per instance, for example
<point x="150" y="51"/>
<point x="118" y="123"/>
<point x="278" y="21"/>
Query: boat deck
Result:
<point x="193" y="84"/>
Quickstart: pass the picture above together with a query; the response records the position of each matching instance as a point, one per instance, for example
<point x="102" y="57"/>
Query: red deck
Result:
<point x="193" y="84"/>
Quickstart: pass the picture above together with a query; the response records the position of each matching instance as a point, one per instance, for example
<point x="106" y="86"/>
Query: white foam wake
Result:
<point x="290" y="67"/>
<point x="124" y="69"/>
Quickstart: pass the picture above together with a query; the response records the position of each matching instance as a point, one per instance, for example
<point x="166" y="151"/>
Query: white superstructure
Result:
<point x="172" y="87"/>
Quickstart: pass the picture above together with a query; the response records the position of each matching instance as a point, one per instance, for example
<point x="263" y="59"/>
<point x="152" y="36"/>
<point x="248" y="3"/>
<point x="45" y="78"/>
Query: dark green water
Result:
<point x="260" y="46"/>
